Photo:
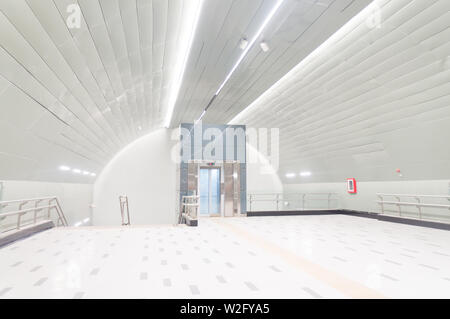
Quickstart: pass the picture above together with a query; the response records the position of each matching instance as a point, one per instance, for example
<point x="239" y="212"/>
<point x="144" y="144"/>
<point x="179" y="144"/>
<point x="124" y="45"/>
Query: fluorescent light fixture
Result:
<point x="201" y="116"/>
<point x="86" y="173"/>
<point x="290" y="175"/>
<point x="78" y="224"/>
<point x="243" y="44"/>
<point x="76" y="171"/>
<point x="186" y="39"/>
<point x="64" y="168"/>
<point x="305" y="174"/>
<point x="93" y="174"/>
<point x="264" y="46"/>
<point x="252" y="42"/>
<point x="86" y="220"/>
<point x="352" y="23"/>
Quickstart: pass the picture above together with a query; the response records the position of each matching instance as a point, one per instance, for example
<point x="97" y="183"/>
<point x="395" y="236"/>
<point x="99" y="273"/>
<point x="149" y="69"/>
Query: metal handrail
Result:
<point x="53" y="204"/>
<point x="410" y="195"/>
<point x="123" y="200"/>
<point x="280" y="197"/>
<point x="399" y="203"/>
<point x="190" y="206"/>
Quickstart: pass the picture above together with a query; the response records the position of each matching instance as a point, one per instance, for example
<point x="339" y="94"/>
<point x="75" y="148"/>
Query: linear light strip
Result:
<point x="252" y="42"/>
<point x="357" y="19"/>
<point x="181" y="66"/>
<point x="247" y="49"/>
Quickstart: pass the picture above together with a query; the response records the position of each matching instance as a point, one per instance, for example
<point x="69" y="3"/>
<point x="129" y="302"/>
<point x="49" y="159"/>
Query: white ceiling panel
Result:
<point x="372" y="100"/>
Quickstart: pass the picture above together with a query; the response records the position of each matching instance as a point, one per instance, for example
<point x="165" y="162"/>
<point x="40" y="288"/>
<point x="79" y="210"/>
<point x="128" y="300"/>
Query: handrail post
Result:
<point x="419" y="207"/>
<point x="36" y="210"/>
<point x="304" y="201"/>
<point x="382" y="203"/>
<point x="399" y="206"/>
<point x="19" y="216"/>
<point x="18" y="220"/>
<point x="60" y="212"/>
<point x="128" y="212"/>
<point x="278" y="199"/>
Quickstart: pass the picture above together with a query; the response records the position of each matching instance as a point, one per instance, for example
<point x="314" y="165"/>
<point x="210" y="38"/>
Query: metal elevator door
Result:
<point x="209" y="187"/>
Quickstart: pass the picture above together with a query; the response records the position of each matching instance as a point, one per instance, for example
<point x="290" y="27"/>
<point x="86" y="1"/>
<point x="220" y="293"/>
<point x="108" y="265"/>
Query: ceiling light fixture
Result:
<point x="264" y="46"/>
<point x="93" y="174"/>
<point x="76" y="171"/>
<point x="185" y="47"/>
<point x="305" y="174"/>
<point x="290" y="175"/>
<point x="246" y="50"/>
<point x="64" y="168"/>
<point x="86" y="173"/>
<point x="252" y="42"/>
<point x="243" y="43"/>
<point x="352" y="23"/>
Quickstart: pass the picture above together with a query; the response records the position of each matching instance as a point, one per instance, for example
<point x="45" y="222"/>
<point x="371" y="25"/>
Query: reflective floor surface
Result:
<point x="333" y="256"/>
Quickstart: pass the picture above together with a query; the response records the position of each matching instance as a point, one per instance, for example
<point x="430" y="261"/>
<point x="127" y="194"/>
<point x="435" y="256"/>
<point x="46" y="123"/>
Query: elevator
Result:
<point x="218" y="186"/>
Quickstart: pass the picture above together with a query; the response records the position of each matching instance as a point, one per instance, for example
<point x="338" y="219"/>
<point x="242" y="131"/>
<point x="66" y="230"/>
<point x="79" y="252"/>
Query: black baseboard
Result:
<point x="291" y="213"/>
<point x="384" y="218"/>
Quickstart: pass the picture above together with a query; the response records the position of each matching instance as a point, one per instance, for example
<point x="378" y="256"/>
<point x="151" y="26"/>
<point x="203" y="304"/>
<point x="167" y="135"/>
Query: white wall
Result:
<point x="365" y="199"/>
<point x="145" y="172"/>
<point x="262" y="178"/>
<point x="75" y="199"/>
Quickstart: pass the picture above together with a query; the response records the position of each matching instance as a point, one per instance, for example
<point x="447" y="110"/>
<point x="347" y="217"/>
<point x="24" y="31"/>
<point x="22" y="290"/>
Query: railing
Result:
<point x="293" y="201"/>
<point x="48" y="204"/>
<point x="189" y="209"/>
<point x="401" y="204"/>
<point x="124" y="210"/>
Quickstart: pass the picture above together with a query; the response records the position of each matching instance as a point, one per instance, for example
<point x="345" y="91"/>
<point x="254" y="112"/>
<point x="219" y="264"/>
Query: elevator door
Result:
<point x="209" y="191"/>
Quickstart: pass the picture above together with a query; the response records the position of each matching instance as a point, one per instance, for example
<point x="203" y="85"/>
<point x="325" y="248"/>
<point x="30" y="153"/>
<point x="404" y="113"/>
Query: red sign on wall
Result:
<point x="351" y="185"/>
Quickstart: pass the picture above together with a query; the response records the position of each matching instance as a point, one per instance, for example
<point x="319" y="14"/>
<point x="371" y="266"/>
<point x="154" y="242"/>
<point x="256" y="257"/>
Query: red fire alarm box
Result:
<point x="351" y="185"/>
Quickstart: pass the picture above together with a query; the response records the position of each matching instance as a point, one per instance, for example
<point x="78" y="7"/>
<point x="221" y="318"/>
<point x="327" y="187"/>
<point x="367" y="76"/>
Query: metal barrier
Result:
<point x="419" y="204"/>
<point x="189" y="209"/>
<point x="296" y="201"/>
<point x="49" y="204"/>
<point x="124" y="210"/>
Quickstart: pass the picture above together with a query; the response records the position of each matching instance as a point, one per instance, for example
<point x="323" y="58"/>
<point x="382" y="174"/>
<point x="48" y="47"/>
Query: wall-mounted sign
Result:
<point x="351" y="185"/>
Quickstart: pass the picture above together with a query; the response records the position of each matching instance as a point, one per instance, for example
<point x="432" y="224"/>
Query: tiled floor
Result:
<point x="269" y="257"/>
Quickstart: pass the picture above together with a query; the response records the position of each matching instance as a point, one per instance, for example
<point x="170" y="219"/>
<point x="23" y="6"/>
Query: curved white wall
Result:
<point x="262" y="178"/>
<point x="145" y="172"/>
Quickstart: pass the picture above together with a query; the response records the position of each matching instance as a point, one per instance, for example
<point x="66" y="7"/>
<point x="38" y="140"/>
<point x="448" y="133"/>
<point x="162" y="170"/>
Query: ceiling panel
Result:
<point x="85" y="92"/>
<point x="371" y="101"/>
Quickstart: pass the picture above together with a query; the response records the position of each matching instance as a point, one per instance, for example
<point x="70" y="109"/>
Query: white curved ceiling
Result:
<point x="375" y="100"/>
<point x="76" y="96"/>
<point x="371" y="100"/>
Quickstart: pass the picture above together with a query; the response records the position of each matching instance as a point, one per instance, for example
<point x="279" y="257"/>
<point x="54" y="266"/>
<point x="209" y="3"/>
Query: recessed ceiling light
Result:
<point x="243" y="43"/>
<point x="290" y="175"/>
<point x="305" y="174"/>
<point x="64" y="168"/>
<point x="264" y="46"/>
<point x="76" y="171"/>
